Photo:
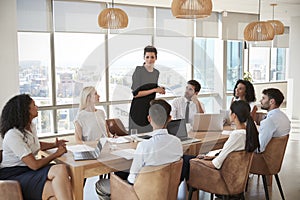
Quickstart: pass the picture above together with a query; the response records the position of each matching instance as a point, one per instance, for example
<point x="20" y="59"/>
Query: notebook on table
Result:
<point x="208" y="122"/>
<point x="88" y="155"/>
<point x="178" y="128"/>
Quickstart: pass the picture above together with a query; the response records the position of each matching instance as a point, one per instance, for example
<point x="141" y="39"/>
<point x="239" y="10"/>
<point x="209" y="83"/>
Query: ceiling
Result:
<point x="284" y="10"/>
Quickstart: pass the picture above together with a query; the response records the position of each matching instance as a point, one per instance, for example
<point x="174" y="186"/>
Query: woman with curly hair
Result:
<point x="38" y="178"/>
<point x="244" y="90"/>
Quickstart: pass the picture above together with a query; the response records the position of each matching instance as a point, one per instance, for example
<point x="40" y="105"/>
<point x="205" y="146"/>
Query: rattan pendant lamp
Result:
<point x="259" y="30"/>
<point x="191" y="9"/>
<point x="277" y="25"/>
<point x="113" y="18"/>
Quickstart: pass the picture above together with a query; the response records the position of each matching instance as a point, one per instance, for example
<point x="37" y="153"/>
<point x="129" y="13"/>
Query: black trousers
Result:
<point x="185" y="172"/>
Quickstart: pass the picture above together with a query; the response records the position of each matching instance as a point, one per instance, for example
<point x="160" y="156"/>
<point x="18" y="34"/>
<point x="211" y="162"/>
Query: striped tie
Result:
<point x="187" y="112"/>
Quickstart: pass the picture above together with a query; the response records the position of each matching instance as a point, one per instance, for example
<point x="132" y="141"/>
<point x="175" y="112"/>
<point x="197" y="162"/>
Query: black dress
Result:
<point x="142" y="80"/>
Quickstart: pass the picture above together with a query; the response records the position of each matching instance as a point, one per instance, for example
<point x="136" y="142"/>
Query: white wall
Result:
<point x="294" y="70"/>
<point x="9" y="69"/>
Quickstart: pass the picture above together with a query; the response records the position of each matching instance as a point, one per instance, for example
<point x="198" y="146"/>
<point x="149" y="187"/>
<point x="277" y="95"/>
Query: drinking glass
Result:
<point x="112" y="144"/>
<point x="133" y="134"/>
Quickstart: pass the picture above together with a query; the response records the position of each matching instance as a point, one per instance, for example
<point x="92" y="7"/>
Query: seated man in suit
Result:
<point x="276" y="123"/>
<point x="160" y="149"/>
<point x="187" y="106"/>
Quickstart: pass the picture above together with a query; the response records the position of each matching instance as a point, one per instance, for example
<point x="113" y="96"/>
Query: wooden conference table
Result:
<point x="108" y="162"/>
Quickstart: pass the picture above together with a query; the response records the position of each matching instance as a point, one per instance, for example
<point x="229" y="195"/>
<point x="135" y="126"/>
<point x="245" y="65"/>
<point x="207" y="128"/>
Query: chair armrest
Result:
<point x="10" y="190"/>
<point x="121" y="189"/>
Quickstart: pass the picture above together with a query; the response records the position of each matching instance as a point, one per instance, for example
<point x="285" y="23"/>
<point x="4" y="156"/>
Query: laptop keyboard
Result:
<point x="88" y="155"/>
<point x="185" y="138"/>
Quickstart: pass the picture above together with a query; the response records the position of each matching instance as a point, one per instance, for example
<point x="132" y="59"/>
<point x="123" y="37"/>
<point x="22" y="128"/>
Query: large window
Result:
<point x="268" y="64"/>
<point x="278" y="64"/>
<point x="35" y="66"/>
<point x="234" y="63"/>
<point x="174" y="63"/>
<point x="79" y="62"/>
<point x="208" y="70"/>
<point x="259" y="59"/>
<point x="207" y="54"/>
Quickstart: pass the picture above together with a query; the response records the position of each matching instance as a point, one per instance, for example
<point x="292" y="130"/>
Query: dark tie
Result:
<point x="187" y="112"/>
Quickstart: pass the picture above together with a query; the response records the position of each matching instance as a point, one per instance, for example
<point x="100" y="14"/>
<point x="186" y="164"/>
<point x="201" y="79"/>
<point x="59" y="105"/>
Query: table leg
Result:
<point x="77" y="183"/>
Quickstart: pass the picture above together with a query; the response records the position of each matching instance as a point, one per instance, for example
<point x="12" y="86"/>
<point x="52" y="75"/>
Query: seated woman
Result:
<point x="90" y="122"/>
<point x="244" y="137"/>
<point x="244" y="90"/>
<point x="38" y="179"/>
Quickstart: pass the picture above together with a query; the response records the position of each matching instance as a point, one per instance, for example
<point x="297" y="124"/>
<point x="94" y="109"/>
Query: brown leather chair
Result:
<point x="231" y="179"/>
<point x="153" y="182"/>
<point x="10" y="190"/>
<point x="116" y="127"/>
<point x="269" y="162"/>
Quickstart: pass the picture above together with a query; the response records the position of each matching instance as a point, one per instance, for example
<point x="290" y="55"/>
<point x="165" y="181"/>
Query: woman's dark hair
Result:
<point x="15" y="114"/>
<point x="242" y="111"/>
<point x="150" y="49"/>
<point x="250" y="93"/>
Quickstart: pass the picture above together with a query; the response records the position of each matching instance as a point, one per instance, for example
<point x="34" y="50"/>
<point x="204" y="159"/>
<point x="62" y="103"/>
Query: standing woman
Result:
<point x="144" y="88"/>
<point x="38" y="179"/>
<point x="244" y="90"/>
<point x="90" y="122"/>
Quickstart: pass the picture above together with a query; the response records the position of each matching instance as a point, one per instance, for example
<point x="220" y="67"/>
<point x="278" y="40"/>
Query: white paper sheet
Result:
<point x="124" y="153"/>
<point x="119" y="140"/>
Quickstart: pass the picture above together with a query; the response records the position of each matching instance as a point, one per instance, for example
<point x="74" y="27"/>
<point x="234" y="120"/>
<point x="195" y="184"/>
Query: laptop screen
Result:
<point x="177" y="127"/>
<point x="208" y="122"/>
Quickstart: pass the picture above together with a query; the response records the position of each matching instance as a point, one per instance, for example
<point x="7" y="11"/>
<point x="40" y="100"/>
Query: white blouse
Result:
<point x="92" y="124"/>
<point x="235" y="142"/>
<point x="17" y="145"/>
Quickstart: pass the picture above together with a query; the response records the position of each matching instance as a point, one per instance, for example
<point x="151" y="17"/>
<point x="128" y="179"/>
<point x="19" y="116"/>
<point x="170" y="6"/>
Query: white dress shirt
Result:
<point x="161" y="149"/>
<point x="276" y="124"/>
<point x="179" y="106"/>
<point x="235" y="142"/>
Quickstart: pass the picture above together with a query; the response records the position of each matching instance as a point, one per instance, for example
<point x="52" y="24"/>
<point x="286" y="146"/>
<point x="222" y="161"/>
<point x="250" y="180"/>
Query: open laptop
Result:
<point x="88" y="155"/>
<point x="208" y="122"/>
<point x="178" y="128"/>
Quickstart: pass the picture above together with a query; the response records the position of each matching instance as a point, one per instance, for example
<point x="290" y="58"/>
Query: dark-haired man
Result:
<point x="187" y="106"/>
<point x="160" y="149"/>
<point x="276" y="124"/>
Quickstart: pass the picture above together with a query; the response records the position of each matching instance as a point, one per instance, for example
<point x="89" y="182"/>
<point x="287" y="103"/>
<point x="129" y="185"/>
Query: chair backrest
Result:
<point x="159" y="182"/>
<point x="10" y="190"/>
<point x="269" y="162"/>
<point x="116" y="127"/>
<point x="235" y="170"/>
<point x="231" y="178"/>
